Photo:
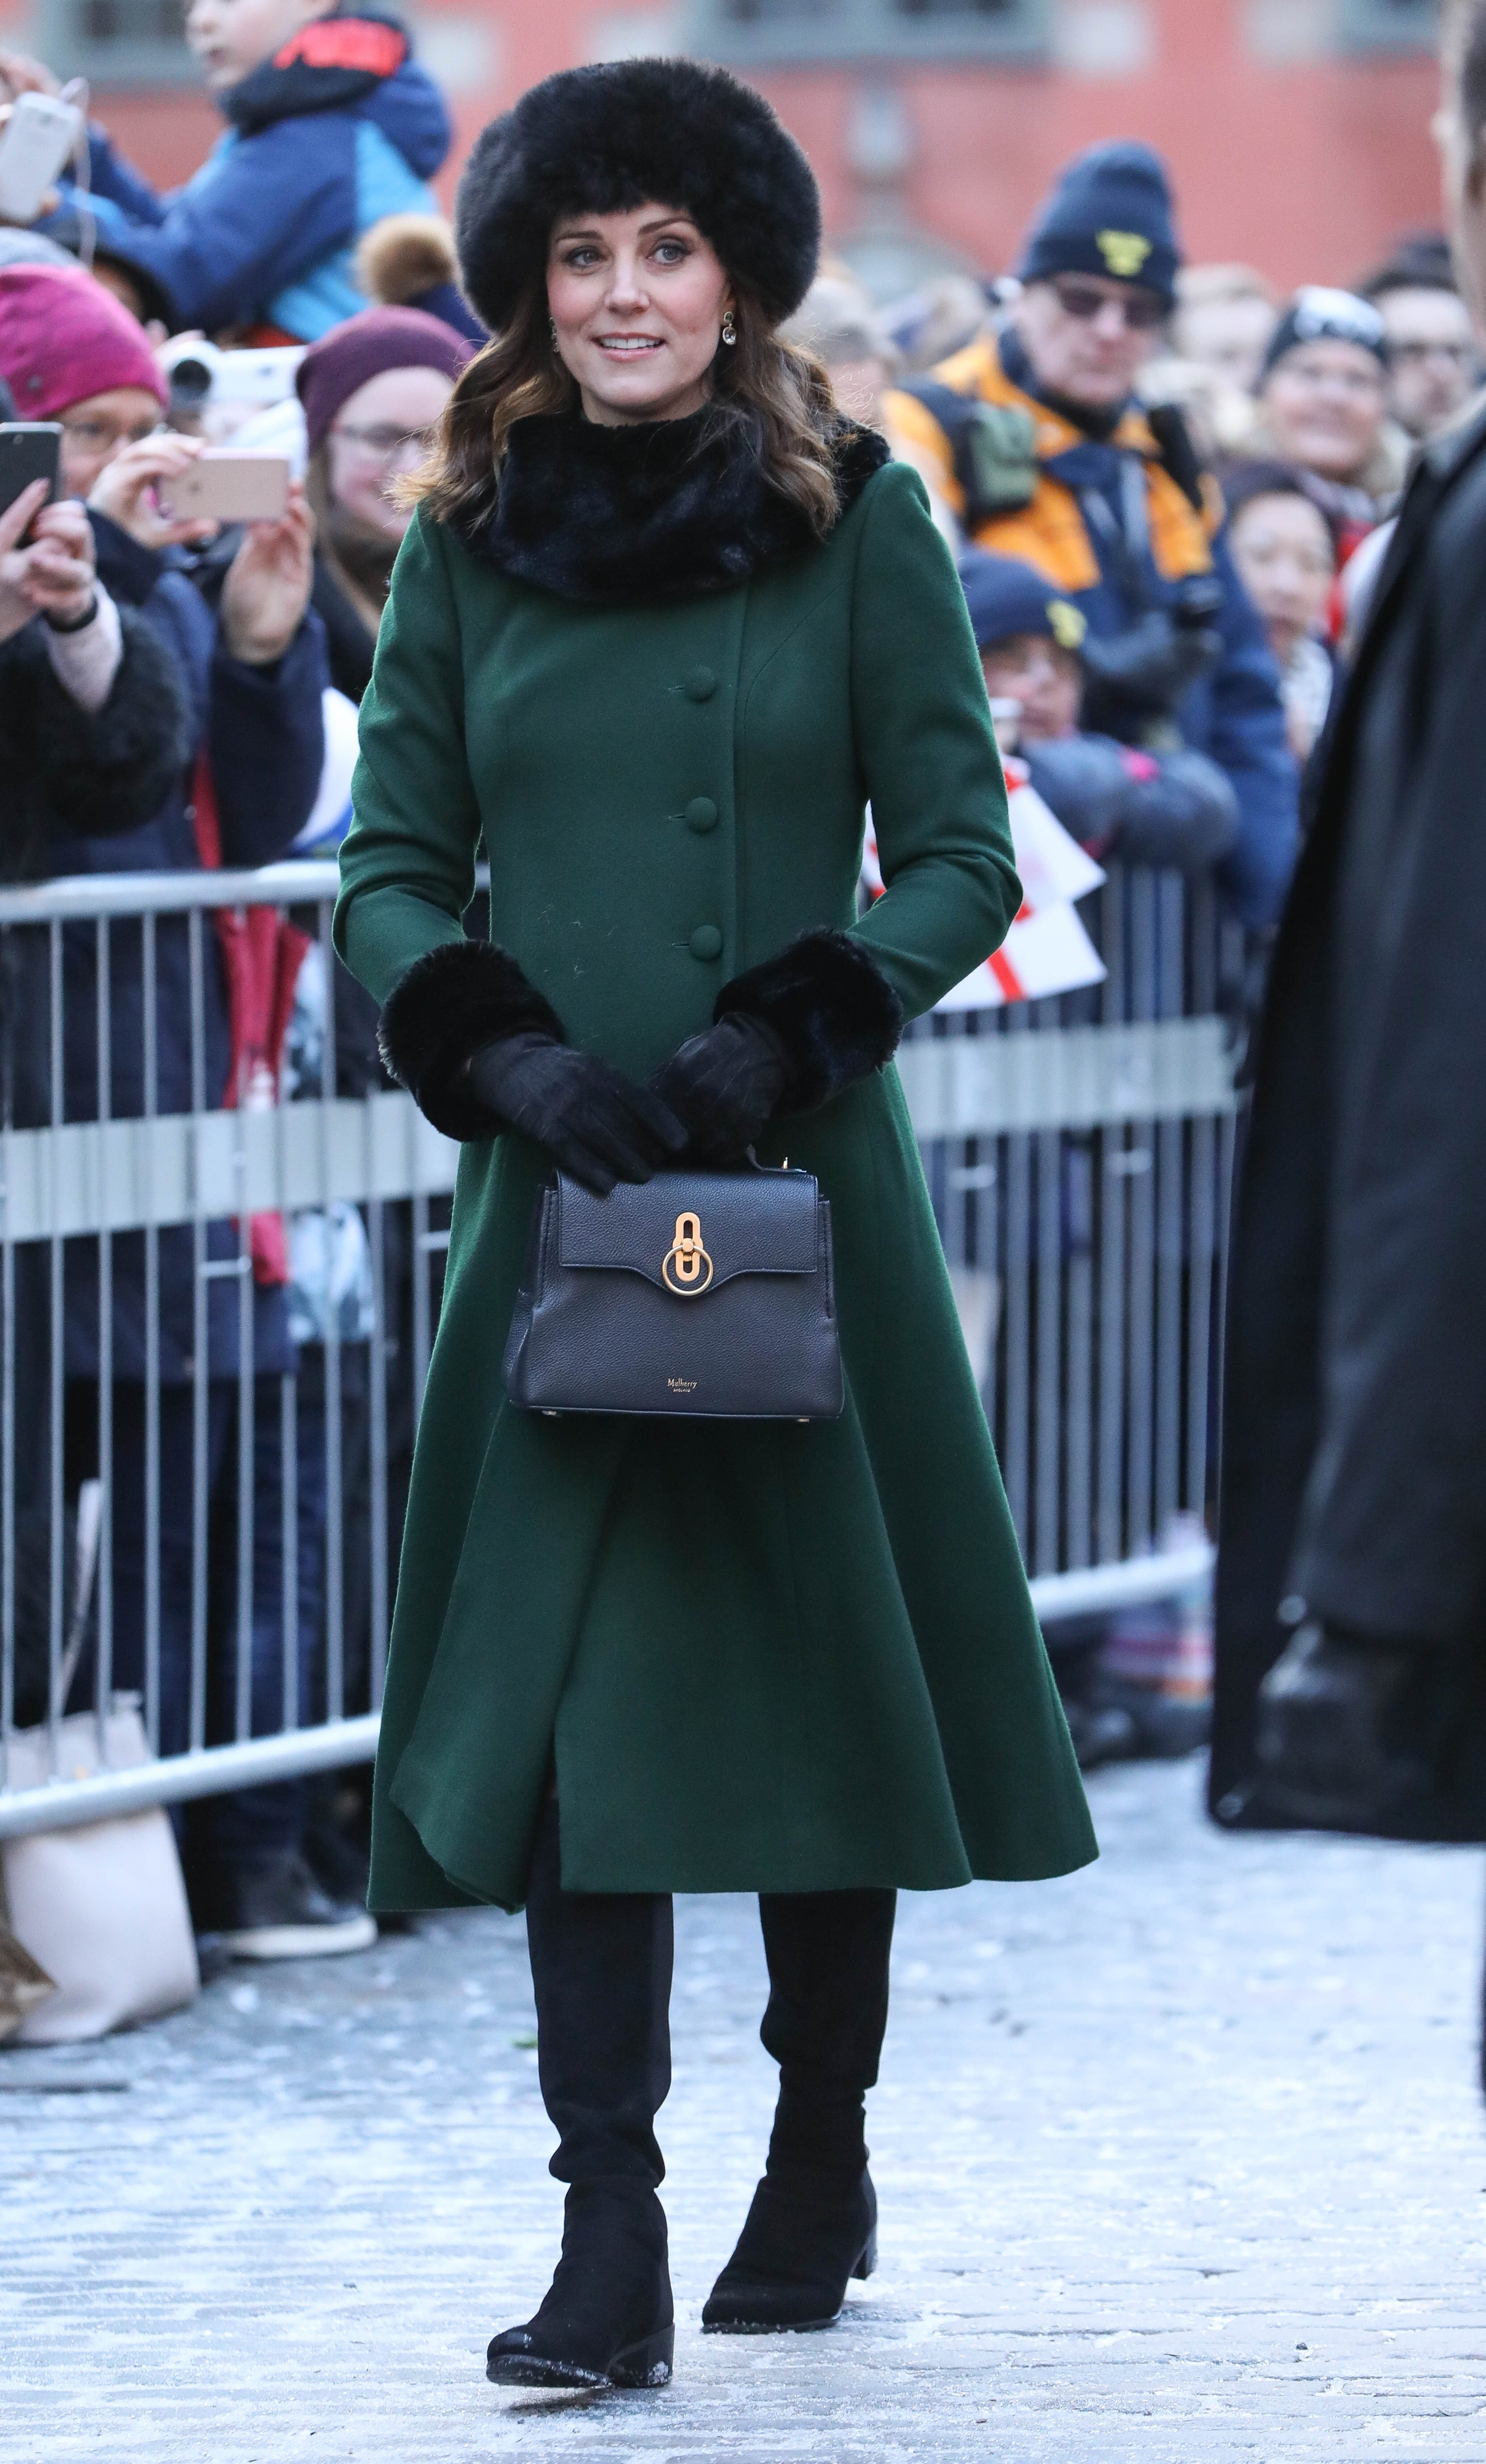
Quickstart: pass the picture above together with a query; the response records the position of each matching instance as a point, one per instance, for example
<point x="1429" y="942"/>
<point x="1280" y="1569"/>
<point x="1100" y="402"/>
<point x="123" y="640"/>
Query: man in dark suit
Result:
<point x="1351" y="1601"/>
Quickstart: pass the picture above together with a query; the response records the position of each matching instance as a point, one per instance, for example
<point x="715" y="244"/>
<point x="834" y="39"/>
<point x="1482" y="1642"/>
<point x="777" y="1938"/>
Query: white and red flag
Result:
<point x="1047" y="949"/>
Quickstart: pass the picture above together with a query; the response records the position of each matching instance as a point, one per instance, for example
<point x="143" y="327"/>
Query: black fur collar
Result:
<point x="606" y="514"/>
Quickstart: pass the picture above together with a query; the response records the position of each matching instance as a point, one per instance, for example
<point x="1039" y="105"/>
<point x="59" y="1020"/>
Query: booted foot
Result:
<point x="803" y="2239"/>
<point x="1338" y="1738"/>
<point x="608" y="2321"/>
<point x="275" y="1909"/>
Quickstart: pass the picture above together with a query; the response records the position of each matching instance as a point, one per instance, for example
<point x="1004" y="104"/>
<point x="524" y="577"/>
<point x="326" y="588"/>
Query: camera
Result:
<point x="213" y="392"/>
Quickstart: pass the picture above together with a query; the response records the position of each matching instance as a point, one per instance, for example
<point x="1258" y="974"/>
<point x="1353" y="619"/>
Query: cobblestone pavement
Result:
<point x="1182" y="2158"/>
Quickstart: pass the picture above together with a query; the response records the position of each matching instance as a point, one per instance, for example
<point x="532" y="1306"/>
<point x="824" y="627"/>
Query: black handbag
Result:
<point x="702" y="1294"/>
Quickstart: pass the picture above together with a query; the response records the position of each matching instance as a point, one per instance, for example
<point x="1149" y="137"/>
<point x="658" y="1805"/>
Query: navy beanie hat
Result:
<point x="1110" y="214"/>
<point x="1006" y="596"/>
<point x="1320" y="315"/>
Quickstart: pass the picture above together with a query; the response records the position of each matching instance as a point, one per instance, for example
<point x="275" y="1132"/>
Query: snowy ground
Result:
<point x="1181" y="2159"/>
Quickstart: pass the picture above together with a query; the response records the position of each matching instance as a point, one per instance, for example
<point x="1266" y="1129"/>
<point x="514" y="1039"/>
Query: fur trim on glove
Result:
<point x="403" y="255"/>
<point x="836" y="1016"/>
<point x="451" y="1001"/>
<point x="619" y="134"/>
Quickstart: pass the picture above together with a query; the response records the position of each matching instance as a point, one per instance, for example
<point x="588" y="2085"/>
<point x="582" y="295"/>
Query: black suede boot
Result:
<point x="601" y="1968"/>
<point x="813" y="2222"/>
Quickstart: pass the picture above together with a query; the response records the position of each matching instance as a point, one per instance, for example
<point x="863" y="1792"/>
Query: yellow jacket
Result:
<point x="1051" y="533"/>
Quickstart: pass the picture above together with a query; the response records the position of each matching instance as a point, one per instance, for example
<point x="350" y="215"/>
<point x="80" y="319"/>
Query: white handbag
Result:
<point x="23" y="1984"/>
<point x="101" y="1909"/>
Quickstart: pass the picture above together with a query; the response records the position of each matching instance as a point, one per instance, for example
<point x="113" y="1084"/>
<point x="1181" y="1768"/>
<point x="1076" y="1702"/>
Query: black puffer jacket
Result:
<point x="66" y="773"/>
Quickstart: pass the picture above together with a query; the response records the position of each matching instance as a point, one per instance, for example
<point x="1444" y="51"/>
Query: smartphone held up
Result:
<point x="40" y="134"/>
<point x="29" y="449"/>
<point x="224" y="486"/>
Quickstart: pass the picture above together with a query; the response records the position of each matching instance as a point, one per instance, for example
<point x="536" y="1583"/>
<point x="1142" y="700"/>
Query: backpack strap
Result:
<point x="993" y="445"/>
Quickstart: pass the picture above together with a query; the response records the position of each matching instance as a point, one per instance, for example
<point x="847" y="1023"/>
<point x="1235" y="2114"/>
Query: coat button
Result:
<point x="702" y="814"/>
<point x="698" y="684"/>
<point x="706" y="942"/>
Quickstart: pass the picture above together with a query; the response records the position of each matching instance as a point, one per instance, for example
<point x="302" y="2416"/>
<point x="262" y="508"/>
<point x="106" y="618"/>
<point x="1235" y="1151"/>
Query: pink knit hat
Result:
<point x="63" y="337"/>
<point x="366" y="346"/>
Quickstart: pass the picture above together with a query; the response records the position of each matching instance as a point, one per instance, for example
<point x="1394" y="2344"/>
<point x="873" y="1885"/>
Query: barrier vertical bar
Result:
<point x="56" y="1359"/>
<point x="247" y="1095"/>
<point x="104" y="1686"/>
<point x="1047" y="1501"/>
<point x="1018" y="1370"/>
<point x="200" y="1338"/>
<point x="990" y="1251"/>
<point x="1202" y="1245"/>
<point x="1227" y="1149"/>
<point x="376" y="1226"/>
<point x="1078" y="1155"/>
<point x="1140" y="1163"/>
<point x="963" y="1178"/>
<point x="1110" y="1190"/>
<point x="422" y="1313"/>
<point x="1203" y="931"/>
<point x="151" y="1071"/>
<point x="335" y="1518"/>
<point x="1171" y="1150"/>
<point x="289" y="1543"/>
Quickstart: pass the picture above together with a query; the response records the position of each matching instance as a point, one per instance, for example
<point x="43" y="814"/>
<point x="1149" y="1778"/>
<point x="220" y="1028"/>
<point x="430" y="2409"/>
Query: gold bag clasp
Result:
<point x="681" y="1269"/>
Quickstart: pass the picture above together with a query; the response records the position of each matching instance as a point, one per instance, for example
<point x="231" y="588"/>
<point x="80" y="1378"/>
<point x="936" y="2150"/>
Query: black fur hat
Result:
<point x="604" y="139"/>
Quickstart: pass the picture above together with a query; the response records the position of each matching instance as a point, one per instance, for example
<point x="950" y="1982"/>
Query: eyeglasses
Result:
<point x="106" y="435"/>
<point x="384" y="444"/>
<point x="1143" y="311"/>
<point x="1460" y="355"/>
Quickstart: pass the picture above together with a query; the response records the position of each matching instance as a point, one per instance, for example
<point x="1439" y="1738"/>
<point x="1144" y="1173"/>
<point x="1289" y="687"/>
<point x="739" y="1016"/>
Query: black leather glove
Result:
<point x="595" y="1124"/>
<point x="723" y="1086"/>
<point x="1145" y="672"/>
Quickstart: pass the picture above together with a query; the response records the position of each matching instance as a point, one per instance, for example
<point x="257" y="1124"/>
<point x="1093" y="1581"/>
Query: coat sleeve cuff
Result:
<point x="832" y="1011"/>
<point x="451" y="1001"/>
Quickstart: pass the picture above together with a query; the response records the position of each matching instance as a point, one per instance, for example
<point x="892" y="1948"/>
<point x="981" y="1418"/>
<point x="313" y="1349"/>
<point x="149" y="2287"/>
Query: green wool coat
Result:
<point x="762" y="1655"/>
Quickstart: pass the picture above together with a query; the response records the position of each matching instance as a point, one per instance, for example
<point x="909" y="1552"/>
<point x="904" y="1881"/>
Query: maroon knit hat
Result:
<point x="367" y="347"/>
<point x="63" y="337"/>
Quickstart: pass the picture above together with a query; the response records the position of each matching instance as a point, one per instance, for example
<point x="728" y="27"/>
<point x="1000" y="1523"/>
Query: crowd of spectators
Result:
<point x="1155" y="476"/>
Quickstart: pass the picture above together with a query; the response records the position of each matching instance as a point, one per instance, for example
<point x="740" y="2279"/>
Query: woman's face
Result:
<point x="1324" y="403"/>
<point x="1282" y="549"/>
<point x="637" y="300"/>
<point x="381" y="432"/>
<point x="94" y="430"/>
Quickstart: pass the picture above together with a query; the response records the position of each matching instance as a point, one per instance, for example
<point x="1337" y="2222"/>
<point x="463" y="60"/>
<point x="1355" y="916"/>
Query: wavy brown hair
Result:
<point x="763" y="386"/>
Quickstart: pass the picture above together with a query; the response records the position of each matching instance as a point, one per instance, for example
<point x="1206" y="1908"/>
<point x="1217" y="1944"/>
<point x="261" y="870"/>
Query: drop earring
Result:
<point x="729" y="329"/>
<point x="552" y="330"/>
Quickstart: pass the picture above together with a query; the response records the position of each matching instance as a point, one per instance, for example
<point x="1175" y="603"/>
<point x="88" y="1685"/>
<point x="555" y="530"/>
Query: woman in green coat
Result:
<point x="663" y="624"/>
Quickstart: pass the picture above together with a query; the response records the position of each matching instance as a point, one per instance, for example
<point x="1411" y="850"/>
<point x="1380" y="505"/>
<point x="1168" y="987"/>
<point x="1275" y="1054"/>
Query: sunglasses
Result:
<point x="1142" y="310"/>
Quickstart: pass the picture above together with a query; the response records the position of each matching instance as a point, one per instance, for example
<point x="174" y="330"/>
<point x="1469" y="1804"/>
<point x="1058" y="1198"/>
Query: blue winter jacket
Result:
<point x="265" y="233"/>
<point x="262" y="728"/>
<point x="1234" y="716"/>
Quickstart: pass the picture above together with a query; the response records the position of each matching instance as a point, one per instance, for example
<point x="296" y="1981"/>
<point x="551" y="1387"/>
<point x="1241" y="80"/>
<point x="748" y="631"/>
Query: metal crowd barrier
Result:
<point x="1078" y="1152"/>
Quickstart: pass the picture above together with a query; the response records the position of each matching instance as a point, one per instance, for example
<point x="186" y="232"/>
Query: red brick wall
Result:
<point x="1305" y="170"/>
<point x="1306" y="167"/>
